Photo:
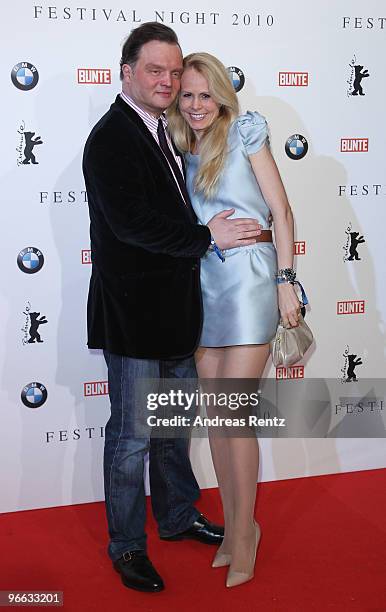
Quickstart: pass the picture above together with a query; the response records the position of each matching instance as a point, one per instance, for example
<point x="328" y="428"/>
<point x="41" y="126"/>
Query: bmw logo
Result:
<point x="237" y="77"/>
<point x="24" y="76"/>
<point x="34" y="395"/>
<point x="30" y="260"/>
<point x="296" y="146"/>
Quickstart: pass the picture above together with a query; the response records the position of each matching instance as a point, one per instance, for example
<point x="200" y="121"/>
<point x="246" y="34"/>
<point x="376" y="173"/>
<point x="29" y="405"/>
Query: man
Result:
<point x="144" y="305"/>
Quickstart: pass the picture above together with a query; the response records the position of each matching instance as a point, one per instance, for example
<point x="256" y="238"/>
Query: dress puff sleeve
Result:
<point x="253" y="131"/>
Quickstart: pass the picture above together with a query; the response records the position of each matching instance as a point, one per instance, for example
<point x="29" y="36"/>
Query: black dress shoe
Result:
<point x="137" y="572"/>
<point x="201" y="530"/>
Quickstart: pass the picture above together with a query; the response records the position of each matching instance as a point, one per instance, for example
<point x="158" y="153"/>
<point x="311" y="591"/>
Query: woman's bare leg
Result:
<point x="243" y="459"/>
<point x="209" y="361"/>
<point x="236" y="460"/>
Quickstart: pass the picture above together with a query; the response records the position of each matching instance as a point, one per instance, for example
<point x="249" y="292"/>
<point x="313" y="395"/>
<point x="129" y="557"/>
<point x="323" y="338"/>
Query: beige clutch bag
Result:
<point x="290" y="345"/>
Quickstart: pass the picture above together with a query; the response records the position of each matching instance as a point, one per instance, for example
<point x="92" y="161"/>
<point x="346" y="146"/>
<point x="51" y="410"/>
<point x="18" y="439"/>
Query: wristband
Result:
<point x="295" y="282"/>
<point x="214" y="247"/>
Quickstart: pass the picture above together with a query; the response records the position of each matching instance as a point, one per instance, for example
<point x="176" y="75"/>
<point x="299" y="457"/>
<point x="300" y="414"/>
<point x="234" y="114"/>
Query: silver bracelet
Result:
<point x="285" y="275"/>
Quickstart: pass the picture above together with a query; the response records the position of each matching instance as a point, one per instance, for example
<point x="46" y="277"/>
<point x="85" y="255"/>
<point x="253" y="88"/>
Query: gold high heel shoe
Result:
<point x="221" y="559"/>
<point x="236" y="578"/>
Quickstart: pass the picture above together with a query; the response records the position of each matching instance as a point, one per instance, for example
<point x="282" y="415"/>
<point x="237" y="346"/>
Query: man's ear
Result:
<point x="127" y="72"/>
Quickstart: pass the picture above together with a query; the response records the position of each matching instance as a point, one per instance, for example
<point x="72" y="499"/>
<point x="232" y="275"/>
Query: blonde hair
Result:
<point x="213" y="145"/>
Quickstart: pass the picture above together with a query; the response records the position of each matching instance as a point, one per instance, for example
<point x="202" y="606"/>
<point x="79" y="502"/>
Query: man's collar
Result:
<point x="150" y="120"/>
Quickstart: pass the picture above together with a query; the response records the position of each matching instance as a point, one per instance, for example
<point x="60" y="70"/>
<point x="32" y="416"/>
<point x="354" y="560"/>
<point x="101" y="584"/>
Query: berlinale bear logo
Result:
<point x="30" y="143"/>
<point x="351" y="361"/>
<point x="33" y="321"/>
<point x="25" y="147"/>
<point x="355" y="80"/>
<point x="354" y="239"/>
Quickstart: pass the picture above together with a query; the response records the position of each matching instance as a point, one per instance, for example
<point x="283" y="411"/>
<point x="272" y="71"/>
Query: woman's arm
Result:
<point x="272" y="188"/>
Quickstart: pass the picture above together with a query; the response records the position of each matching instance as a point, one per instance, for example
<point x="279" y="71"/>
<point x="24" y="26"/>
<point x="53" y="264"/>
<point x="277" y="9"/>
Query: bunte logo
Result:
<point x="94" y="76"/>
<point x="354" y="145"/>
<point x="350" y="307"/>
<point x="293" y="79"/>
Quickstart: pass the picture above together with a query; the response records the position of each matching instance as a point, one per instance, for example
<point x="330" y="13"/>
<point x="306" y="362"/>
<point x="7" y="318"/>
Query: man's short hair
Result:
<point x="145" y="33"/>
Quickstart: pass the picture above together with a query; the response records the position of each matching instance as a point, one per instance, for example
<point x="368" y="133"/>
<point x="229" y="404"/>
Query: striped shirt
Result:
<point x="151" y="123"/>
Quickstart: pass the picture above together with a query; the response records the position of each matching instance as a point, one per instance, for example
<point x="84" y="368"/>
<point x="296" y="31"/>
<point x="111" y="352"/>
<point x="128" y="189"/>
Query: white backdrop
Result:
<point x="52" y="454"/>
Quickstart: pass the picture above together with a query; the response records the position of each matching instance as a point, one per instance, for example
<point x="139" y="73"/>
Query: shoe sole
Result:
<point x="174" y="538"/>
<point x="178" y="538"/>
<point x="130" y="586"/>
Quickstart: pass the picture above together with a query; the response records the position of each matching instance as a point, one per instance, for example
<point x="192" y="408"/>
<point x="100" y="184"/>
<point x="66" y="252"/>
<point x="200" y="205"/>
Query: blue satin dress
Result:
<point x="239" y="295"/>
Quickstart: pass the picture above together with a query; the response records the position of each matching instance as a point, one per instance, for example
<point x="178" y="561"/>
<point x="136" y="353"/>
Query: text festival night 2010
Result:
<point x="135" y="17"/>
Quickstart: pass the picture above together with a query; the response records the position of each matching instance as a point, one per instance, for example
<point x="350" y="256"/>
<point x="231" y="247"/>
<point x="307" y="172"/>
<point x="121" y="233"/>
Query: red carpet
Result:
<point x="323" y="548"/>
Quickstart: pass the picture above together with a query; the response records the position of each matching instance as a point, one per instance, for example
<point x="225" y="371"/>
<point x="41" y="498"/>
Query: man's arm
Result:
<point x="117" y="184"/>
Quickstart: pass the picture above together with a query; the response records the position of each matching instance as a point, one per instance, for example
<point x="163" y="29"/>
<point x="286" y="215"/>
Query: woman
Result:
<point x="229" y="166"/>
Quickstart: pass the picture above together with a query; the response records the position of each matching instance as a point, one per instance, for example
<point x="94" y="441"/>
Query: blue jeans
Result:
<point x="173" y="486"/>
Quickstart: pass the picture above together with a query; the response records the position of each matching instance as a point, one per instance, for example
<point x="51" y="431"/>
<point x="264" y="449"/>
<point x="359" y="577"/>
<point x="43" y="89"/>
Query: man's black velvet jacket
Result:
<point x="144" y="299"/>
